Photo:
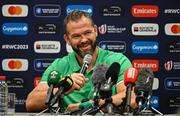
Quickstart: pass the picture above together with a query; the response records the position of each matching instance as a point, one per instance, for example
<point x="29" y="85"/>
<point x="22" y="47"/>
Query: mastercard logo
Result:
<point x="172" y="29"/>
<point x="15" y="10"/>
<point x="15" y="64"/>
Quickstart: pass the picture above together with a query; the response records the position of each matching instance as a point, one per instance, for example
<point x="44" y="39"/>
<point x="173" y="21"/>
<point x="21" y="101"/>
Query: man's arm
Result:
<point x="117" y="99"/>
<point x="36" y="98"/>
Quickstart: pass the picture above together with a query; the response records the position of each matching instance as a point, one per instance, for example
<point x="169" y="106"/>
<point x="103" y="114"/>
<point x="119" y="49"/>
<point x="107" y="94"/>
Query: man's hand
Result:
<point x="72" y="107"/>
<point x="78" y="81"/>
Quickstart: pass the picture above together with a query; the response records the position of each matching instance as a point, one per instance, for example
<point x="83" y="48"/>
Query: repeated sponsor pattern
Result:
<point x="146" y="32"/>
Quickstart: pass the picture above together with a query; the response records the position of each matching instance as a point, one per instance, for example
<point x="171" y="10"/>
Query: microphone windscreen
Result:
<point x="98" y="75"/>
<point x="144" y="81"/>
<point x="130" y="76"/>
<point x="87" y="59"/>
<point x="113" y="72"/>
<point x="53" y="77"/>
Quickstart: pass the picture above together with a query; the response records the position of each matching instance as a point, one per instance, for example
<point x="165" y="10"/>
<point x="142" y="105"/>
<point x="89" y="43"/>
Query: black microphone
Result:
<point x="143" y="87"/>
<point x="111" y="78"/>
<point x="64" y="85"/>
<point x="86" y="61"/>
<point x="105" y="89"/>
<point x="53" y="79"/>
<point x="98" y="77"/>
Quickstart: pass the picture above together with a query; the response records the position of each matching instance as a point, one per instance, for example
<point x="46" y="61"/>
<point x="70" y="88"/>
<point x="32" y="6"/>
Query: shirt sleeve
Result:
<point x="52" y="67"/>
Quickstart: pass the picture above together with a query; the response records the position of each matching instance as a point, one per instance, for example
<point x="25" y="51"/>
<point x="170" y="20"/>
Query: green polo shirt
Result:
<point x="69" y="64"/>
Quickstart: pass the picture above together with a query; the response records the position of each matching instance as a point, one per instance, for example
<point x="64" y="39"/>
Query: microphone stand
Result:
<point x="150" y="109"/>
<point x="128" y="98"/>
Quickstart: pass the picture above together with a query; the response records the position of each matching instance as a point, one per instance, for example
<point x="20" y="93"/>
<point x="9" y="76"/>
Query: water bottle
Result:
<point x="3" y="96"/>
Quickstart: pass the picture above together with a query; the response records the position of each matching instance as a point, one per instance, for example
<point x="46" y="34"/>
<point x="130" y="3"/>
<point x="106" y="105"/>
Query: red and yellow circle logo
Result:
<point x="15" y="64"/>
<point x="15" y="10"/>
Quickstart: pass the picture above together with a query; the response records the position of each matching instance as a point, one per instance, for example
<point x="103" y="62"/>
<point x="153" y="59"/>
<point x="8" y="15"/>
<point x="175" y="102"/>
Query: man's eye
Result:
<point x="76" y="36"/>
<point x="88" y="33"/>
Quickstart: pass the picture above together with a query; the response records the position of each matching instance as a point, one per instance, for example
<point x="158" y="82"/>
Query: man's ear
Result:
<point x="66" y="39"/>
<point x="96" y="31"/>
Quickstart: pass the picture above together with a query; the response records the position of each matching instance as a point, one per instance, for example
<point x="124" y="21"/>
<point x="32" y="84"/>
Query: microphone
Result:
<point x="86" y="61"/>
<point x="53" y="79"/>
<point x="64" y="85"/>
<point x="111" y="78"/>
<point x="130" y="76"/>
<point x="143" y="87"/>
<point x="98" y="77"/>
<point x="105" y="89"/>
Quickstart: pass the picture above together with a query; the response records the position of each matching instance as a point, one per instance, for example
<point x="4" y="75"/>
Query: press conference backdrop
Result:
<point x="146" y="31"/>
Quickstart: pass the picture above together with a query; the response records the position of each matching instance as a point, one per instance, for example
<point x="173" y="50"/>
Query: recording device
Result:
<point x="64" y="85"/>
<point x="86" y="61"/>
<point x="143" y="87"/>
<point x="53" y="80"/>
<point x="105" y="88"/>
<point x="130" y="76"/>
<point x="111" y="78"/>
<point x="98" y="77"/>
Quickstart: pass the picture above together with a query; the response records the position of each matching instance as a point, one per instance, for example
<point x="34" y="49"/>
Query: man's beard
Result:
<point x="81" y="53"/>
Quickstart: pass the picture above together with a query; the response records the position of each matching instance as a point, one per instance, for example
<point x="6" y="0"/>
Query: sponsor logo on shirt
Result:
<point x="14" y="64"/>
<point x="14" y="10"/>
<point x="146" y="63"/>
<point x="145" y="47"/>
<point x="47" y="10"/>
<point x="145" y="11"/>
<point x="42" y="64"/>
<point x="112" y="11"/>
<point x="15" y="28"/>
<point x="47" y="28"/>
<point x="172" y="29"/>
<point x="117" y="46"/>
<point x="47" y="47"/>
<point x="85" y="8"/>
<point x="145" y="29"/>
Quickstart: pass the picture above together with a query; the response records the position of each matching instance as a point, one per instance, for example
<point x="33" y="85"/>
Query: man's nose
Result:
<point x="83" y="38"/>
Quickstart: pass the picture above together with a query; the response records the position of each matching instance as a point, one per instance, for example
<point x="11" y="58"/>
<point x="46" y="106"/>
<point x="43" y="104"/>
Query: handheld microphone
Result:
<point x="143" y="87"/>
<point x="64" y="85"/>
<point x="86" y="61"/>
<point x="53" y="79"/>
<point x="111" y="78"/>
<point x="130" y="76"/>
